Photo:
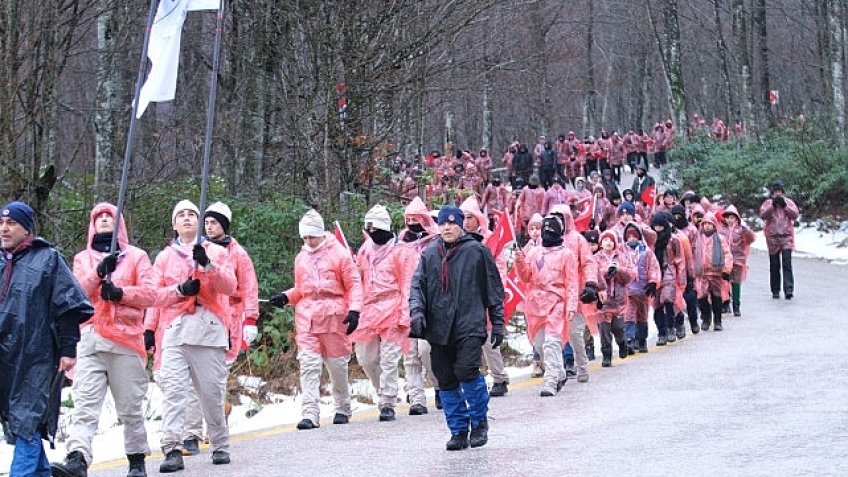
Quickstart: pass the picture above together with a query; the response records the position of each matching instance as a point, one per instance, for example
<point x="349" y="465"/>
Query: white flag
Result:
<point x="163" y="50"/>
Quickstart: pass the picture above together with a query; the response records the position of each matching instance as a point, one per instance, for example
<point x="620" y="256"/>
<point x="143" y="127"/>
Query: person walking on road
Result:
<point x="779" y="213"/>
<point x="110" y="354"/>
<point x="713" y="264"/>
<point x="383" y="333"/>
<point x="195" y="281"/>
<point x="327" y="296"/>
<point x="454" y="289"/>
<point x="740" y="238"/>
<point x="617" y="272"/>
<point x="41" y="308"/>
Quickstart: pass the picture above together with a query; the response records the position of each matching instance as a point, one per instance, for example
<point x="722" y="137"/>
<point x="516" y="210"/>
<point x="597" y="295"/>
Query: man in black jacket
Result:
<point x="41" y="308"/>
<point x="454" y="289"/>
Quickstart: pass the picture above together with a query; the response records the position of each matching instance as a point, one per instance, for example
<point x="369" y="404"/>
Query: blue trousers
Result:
<point x="29" y="458"/>
<point x="466" y="405"/>
<point x="567" y="352"/>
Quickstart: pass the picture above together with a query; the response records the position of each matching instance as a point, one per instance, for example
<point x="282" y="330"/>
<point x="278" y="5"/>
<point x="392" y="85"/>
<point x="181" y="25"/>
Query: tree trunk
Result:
<point x="105" y="149"/>
<point x="729" y="105"/>
<point x="836" y="62"/>
<point x="591" y="92"/>
<point x="765" y="80"/>
<point x="743" y="61"/>
<point x="669" y="46"/>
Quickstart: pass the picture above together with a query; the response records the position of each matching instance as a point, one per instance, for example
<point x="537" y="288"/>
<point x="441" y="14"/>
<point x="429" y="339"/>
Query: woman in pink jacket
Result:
<point x="382" y="335"/>
<point x="110" y="353"/>
<point x="740" y="238"/>
<point x="327" y="296"/>
<point x="779" y="213"/>
<point x="617" y="272"/>
<point x="419" y="233"/>
<point x="191" y="328"/>
<point x="529" y="202"/>
<point x="550" y="272"/>
<point x="713" y="263"/>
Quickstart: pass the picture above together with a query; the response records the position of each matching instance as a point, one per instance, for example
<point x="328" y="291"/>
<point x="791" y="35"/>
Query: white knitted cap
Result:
<point x="311" y="224"/>
<point x="184" y="205"/>
<point x="379" y="218"/>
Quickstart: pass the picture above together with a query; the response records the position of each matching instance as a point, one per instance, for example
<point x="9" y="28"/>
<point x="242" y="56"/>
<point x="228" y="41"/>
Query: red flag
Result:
<point x="502" y="235"/>
<point x="649" y="195"/>
<point x="513" y="294"/>
<point x="340" y="236"/>
<point x="581" y="223"/>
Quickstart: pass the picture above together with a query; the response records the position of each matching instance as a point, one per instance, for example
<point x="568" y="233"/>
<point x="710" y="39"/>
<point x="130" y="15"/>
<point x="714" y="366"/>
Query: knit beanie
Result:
<point x="220" y="212"/>
<point x="181" y="206"/>
<point x="627" y="207"/>
<point x="452" y="214"/>
<point x="20" y="213"/>
<point x="311" y="225"/>
<point x="379" y="218"/>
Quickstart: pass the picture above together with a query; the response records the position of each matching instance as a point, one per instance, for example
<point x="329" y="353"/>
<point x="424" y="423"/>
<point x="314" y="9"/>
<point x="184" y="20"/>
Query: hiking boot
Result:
<point x="387" y="414"/>
<point x="695" y="327"/>
<point x="340" y="418"/>
<point x="191" y="447"/>
<point x="570" y="370"/>
<point x="718" y="326"/>
<point x="736" y="309"/>
<point x="457" y="441"/>
<point x="725" y="307"/>
<point x="590" y="352"/>
<point x="606" y="362"/>
<point x="671" y="335"/>
<point x="438" y="400"/>
<point x="582" y="378"/>
<point x="631" y="346"/>
<point x="776" y="296"/>
<point x="498" y="390"/>
<point x="74" y="466"/>
<point x="643" y="346"/>
<point x="546" y="392"/>
<point x="417" y="410"/>
<point x="306" y="424"/>
<point x="479" y="435"/>
<point x="622" y="350"/>
<point x="705" y="326"/>
<point x="137" y="468"/>
<point x="681" y="332"/>
<point x="561" y="383"/>
<point x="538" y="370"/>
<point x="220" y="457"/>
<point x="661" y="340"/>
<point x="789" y="296"/>
<point x="172" y="463"/>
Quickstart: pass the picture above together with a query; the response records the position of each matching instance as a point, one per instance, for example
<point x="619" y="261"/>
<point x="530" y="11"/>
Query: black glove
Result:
<point x="591" y="224"/>
<point x="107" y="266"/>
<point x="497" y="336"/>
<point x="279" y="300"/>
<point x="352" y="321"/>
<point x="417" y="327"/>
<point x="725" y="276"/>
<point x="149" y="339"/>
<point x="589" y="294"/>
<point x="189" y="287"/>
<point x="108" y="291"/>
<point x="690" y="285"/>
<point x="198" y="253"/>
<point x="611" y="271"/>
<point x="651" y="290"/>
<point x="779" y="202"/>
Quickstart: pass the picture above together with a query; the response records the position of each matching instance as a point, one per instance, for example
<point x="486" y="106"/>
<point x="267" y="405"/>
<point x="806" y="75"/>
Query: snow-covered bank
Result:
<point x="811" y="243"/>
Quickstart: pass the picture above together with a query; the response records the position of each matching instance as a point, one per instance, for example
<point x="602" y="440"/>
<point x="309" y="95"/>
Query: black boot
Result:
<point x="718" y="326"/>
<point x="458" y="441"/>
<point x="438" y="400"/>
<point x="74" y="466"/>
<point x="717" y="305"/>
<point x="417" y="410"/>
<point x="631" y="346"/>
<point x="172" y="463"/>
<point x="736" y="309"/>
<point x="569" y="367"/>
<point x="498" y="390"/>
<point x="387" y="414"/>
<point x="479" y="435"/>
<point x="706" y="313"/>
<point x="137" y="468"/>
<point x="661" y="340"/>
<point x="606" y="361"/>
<point x="590" y="352"/>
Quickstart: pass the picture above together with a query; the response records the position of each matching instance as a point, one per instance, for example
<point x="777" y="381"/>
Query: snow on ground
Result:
<point x="284" y="410"/>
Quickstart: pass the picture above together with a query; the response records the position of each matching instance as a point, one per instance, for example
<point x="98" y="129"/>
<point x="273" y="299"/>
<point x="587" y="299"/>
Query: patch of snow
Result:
<point x="812" y="243"/>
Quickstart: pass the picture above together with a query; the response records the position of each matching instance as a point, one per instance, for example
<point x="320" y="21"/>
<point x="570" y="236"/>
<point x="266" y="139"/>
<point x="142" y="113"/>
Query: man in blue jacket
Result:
<point x="41" y="308"/>
<point x="454" y="289"/>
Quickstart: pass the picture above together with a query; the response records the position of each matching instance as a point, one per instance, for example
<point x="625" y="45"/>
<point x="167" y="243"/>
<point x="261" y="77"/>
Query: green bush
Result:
<point x="814" y="169"/>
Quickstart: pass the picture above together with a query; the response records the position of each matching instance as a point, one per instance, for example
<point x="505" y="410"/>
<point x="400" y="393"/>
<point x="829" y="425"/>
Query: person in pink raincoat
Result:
<point x="534" y="230"/>
<point x="381" y="338"/>
<point x="713" y="264"/>
<point x="556" y="194"/>
<point x="642" y="289"/>
<point x="779" y="213"/>
<point x="191" y="330"/>
<point x="740" y="238"/>
<point x="476" y="224"/>
<point x="552" y="278"/>
<point x="617" y="272"/>
<point x="529" y="202"/>
<point x="672" y="263"/>
<point x="327" y="296"/>
<point x="244" y="311"/>
<point x="494" y="198"/>
<point x="110" y="354"/>
<point x="419" y="233"/>
<point x="581" y="197"/>
<point x="618" y="154"/>
<point x="483" y="162"/>
<point x="587" y="270"/>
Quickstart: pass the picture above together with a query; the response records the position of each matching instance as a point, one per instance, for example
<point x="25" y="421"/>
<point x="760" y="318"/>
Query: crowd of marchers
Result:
<point x="591" y="262"/>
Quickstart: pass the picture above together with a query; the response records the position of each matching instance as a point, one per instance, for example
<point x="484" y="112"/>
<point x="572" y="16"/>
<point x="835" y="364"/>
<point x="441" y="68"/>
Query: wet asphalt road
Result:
<point x="767" y="396"/>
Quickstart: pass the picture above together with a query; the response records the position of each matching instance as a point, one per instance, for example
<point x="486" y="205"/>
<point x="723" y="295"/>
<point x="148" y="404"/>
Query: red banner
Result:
<point x="513" y="294"/>
<point x="502" y="235"/>
<point x="649" y="195"/>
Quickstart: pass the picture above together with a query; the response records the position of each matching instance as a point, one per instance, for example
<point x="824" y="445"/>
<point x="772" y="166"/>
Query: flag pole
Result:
<point x="142" y="67"/>
<point x="210" y="114"/>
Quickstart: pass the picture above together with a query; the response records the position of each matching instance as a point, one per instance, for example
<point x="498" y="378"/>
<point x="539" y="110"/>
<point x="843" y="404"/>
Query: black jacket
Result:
<point x="523" y="161"/>
<point x="475" y="288"/>
<point x="39" y="323"/>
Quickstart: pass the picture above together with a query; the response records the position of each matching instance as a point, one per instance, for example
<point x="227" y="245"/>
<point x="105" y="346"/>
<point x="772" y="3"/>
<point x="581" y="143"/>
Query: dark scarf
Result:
<point x="102" y="242"/>
<point x="9" y="255"/>
<point x="446" y="251"/>
<point x="413" y="235"/>
<point x="661" y="245"/>
<point x="551" y="239"/>
<point x="224" y="242"/>
<point x="380" y="237"/>
<point x="717" y="258"/>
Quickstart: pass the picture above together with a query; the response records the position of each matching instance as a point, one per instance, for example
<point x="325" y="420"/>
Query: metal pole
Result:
<point x="210" y="116"/>
<point x="142" y="68"/>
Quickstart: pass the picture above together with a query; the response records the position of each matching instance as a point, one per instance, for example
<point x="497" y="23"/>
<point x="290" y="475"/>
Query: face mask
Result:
<point x="708" y="233"/>
<point x="415" y="228"/>
<point x="532" y="186"/>
<point x="380" y="237"/>
<point x="496" y="183"/>
<point x="551" y="238"/>
<point x="633" y="244"/>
